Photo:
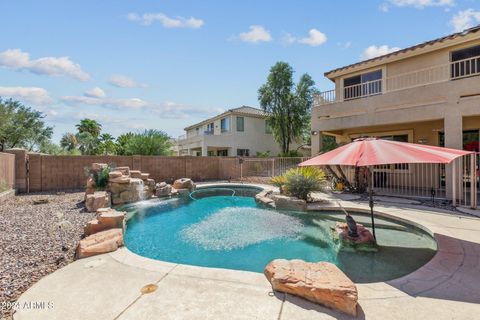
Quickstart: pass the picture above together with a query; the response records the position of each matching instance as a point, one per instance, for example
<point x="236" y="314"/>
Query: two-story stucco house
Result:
<point x="242" y="131"/>
<point x="428" y="93"/>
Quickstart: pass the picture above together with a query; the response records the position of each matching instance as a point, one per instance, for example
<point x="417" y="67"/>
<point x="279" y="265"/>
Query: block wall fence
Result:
<point x="33" y="172"/>
<point x="7" y="170"/>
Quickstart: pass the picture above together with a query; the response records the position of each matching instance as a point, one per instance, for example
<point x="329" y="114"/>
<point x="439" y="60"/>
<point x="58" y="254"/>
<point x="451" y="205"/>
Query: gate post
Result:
<point x="473" y="180"/>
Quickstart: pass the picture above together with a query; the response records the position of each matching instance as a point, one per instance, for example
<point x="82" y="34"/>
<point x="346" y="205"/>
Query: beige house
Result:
<point x="428" y="93"/>
<point x="242" y="131"/>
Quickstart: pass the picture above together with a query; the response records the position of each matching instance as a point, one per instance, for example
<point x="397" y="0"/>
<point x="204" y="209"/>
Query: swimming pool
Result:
<point x="225" y="229"/>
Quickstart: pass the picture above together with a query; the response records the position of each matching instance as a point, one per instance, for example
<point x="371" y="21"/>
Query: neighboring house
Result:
<point x="428" y="93"/>
<point x="242" y="131"/>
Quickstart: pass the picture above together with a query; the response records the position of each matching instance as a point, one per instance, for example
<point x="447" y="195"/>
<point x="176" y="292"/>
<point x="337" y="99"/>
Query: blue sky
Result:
<point x="165" y="65"/>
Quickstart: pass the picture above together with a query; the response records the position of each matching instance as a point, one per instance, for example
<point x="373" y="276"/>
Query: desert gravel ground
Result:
<point x="29" y="250"/>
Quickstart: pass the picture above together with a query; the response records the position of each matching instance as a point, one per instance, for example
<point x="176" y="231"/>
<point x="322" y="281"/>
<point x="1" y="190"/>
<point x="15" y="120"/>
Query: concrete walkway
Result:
<point x="108" y="286"/>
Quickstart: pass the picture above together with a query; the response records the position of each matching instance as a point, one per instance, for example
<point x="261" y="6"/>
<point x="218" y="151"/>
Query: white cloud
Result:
<point x="16" y="59"/>
<point x="166" y="21"/>
<point x="375" y="51"/>
<point x="167" y="109"/>
<point x="420" y="4"/>
<point x="465" y="19"/>
<point x="95" y="93"/>
<point x="256" y="34"/>
<point x="314" y="39"/>
<point x="121" y="81"/>
<point x="35" y="95"/>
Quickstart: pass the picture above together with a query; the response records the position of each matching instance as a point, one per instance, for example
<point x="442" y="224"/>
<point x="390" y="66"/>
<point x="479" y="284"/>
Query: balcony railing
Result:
<point x="440" y="73"/>
<point x="362" y="90"/>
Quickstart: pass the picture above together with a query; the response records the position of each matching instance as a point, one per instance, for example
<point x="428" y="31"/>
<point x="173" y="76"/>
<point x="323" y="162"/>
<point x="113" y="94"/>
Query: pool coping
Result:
<point x="445" y="287"/>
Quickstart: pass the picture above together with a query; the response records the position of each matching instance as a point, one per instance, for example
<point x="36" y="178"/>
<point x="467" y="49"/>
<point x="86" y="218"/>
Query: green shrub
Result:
<point x="300" y="182"/>
<point x="265" y="154"/>
<point x="100" y="178"/>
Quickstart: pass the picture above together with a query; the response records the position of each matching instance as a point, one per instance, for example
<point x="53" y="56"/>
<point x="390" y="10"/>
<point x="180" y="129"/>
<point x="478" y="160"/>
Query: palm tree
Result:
<point x="90" y="126"/>
<point x="69" y="141"/>
<point x="107" y="144"/>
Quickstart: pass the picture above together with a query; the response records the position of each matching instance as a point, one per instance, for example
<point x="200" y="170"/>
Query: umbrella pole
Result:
<point x="371" y="204"/>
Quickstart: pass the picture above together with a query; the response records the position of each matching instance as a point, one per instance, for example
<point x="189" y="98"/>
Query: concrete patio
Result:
<point x="108" y="286"/>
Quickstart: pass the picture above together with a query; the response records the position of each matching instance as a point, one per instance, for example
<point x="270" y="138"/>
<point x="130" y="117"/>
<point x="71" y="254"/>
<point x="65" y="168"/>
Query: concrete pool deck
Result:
<point x="108" y="286"/>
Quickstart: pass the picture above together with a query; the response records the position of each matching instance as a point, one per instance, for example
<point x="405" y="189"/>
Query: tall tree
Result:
<point x="107" y="144"/>
<point x="22" y="126"/>
<point x="90" y="126"/>
<point x="122" y="141"/>
<point x="69" y="141"/>
<point x="148" y="143"/>
<point x="287" y="105"/>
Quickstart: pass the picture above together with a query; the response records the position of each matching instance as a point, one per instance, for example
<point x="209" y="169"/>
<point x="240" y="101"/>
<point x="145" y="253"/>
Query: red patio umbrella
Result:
<point x="367" y="152"/>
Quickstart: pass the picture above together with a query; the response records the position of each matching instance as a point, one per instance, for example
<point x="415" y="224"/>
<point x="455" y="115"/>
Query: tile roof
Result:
<point x="417" y="46"/>
<point x="243" y="110"/>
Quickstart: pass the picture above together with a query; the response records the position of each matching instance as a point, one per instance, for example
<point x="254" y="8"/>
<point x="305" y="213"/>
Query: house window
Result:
<point x="471" y="140"/>
<point x="225" y="124"/>
<point x="197" y="131"/>
<point x="268" y="127"/>
<point x="240" y="124"/>
<point x="465" y="62"/>
<point x="222" y="153"/>
<point x="243" y="152"/>
<point x="210" y="153"/>
<point x="366" y="84"/>
<point x="209" y="128"/>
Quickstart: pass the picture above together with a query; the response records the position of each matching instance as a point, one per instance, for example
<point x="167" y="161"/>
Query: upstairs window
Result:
<point x="209" y="128"/>
<point x="366" y="84"/>
<point x="268" y="127"/>
<point x="465" y="62"/>
<point x="225" y="124"/>
<point x="240" y="124"/>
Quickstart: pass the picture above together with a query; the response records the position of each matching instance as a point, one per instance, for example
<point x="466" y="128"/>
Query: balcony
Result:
<point x="441" y="73"/>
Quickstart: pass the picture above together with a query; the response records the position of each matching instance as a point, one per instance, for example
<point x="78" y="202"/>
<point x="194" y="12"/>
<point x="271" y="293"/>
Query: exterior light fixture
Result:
<point x="314" y="133"/>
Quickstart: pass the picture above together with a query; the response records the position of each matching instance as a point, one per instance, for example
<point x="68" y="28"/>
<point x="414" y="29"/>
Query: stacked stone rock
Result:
<point x="184" y="186"/>
<point x="104" y="233"/>
<point x="96" y="199"/>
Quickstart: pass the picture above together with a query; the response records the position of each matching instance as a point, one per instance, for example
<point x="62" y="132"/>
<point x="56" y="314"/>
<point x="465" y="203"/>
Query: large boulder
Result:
<point x="91" y="187"/>
<point x="264" y="199"/>
<point x="126" y="190"/>
<point x="97" y="200"/>
<point x="136" y="174"/>
<point x="124" y="170"/>
<point x="289" y="203"/>
<point x="101" y="242"/>
<point x="107" y="218"/>
<point x="320" y="282"/>
<point x="163" y="189"/>
<point x="184" y="183"/>
<point x="114" y="174"/>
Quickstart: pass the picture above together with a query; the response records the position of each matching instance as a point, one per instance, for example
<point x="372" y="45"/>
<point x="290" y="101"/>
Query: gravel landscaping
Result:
<point x="29" y="249"/>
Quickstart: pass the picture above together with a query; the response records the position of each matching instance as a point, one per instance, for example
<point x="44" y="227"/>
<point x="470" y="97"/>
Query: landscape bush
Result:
<point x="300" y="182"/>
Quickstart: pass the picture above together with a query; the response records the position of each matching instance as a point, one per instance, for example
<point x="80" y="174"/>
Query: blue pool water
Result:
<point x="233" y="232"/>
